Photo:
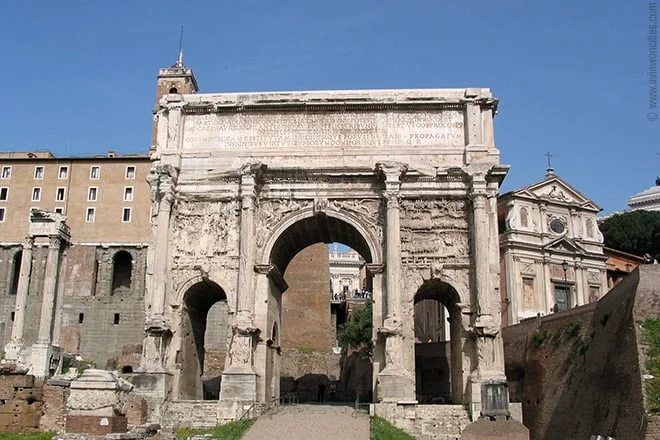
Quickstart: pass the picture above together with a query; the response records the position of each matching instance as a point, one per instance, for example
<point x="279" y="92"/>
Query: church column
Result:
<point x="15" y="347"/>
<point x="581" y="288"/>
<point x="547" y="284"/>
<point x="396" y="383"/>
<point x="239" y="380"/>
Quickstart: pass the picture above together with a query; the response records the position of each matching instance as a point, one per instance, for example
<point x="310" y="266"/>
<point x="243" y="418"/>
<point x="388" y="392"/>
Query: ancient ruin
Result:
<point x="241" y="183"/>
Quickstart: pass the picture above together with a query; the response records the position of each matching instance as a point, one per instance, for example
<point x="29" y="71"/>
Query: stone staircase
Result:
<point x="441" y="422"/>
<point x="311" y="421"/>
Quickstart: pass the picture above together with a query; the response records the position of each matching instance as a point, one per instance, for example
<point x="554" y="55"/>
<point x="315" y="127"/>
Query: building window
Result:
<point x="122" y="267"/>
<point x="6" y="173"/>
<point x="116" y="319"/>
<point x="126" y="215"/>
<point x="39" y="173"/>
<point x="92" y="193"/>
<point x="4" y="193"/>
<point x="2" y="214"/>
<point x="59" y="210"/>
<point x="36" y="194"/>
<point x="524" y="218"/>
<point x="590" y="228"/>
<point x="128" y="194"/>
<point x="594" y="293"/>
<point x="61" y="194"/>
<point x="95" y="172"/>
<point x="130" y="172"/>
<point x="557" y="226"/>
<point x="529" y="296"/>
<point x="63" y="173"/>
<point x="91" y="214"/>
<point x="81" y="318"/>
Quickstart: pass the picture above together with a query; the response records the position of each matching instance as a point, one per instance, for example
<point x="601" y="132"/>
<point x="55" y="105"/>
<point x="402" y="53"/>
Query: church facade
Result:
<point x="551" y="250"/>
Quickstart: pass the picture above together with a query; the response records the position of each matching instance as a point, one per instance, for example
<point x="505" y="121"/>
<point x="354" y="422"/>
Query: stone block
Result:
<point x="495" y="430"/>
<point x="17" y="380"/>
<point x="7" y="392"/>
<point x="95" y="425"/>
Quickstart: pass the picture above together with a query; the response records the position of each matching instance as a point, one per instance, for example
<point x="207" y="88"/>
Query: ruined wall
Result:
<point x="580" y="373"/>
<point x="306" y="318"/>
<point x="21" y="402"/>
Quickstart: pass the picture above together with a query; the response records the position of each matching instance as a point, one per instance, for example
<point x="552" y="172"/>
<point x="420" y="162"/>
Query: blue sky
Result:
<point x="572" y="77"/>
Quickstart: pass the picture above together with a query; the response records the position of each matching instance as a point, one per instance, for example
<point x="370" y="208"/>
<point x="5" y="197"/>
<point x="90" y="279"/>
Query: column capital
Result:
<point x="54" y="241"/>
<point x="375" y="268"/>
<point x="273" y="273"/>
<point x="392" y="171"/>
<point x="29" y="242"/>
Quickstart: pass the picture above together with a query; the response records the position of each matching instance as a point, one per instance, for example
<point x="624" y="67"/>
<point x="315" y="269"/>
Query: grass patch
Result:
<point x="652" y="337"/>
<point x="229" y="431"/>
<point x="27" y="436"/>
<point x="381" y="429"/>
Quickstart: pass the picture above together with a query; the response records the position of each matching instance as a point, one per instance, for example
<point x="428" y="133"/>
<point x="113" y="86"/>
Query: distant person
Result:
<point x="648" y="259"/>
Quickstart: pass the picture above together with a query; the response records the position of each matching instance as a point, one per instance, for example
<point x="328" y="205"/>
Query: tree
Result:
<point x="357" y="332"/>
<point x="635" y="232"/>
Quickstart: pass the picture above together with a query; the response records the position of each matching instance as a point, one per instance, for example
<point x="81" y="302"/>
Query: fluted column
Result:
<point x="396" y="383"/>
<point x="245" y="288"/>
<point x="13" y="350"/>
<point x="48" y="295"/>
<point x="159" y="291"/>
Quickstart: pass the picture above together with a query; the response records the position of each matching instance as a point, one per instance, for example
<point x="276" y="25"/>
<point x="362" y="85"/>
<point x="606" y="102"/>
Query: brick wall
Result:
<point x="21" y="403"/>
<point x="306" y="304"/>
<point x="580" y="373"/>
<point x="54" y="416"/>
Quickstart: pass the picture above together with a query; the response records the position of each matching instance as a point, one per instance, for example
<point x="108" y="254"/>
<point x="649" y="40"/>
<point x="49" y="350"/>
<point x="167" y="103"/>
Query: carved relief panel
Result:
<point x="202" y="230"/>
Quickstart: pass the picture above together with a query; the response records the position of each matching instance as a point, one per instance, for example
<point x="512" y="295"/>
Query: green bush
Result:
<point x="358" y="331"/>
<point x="381" y="429"/>
<point x="27" y="436"/>
<point x="539" y="338"/>
<point x="229" y="431"/>
<point x="651" y="335"/>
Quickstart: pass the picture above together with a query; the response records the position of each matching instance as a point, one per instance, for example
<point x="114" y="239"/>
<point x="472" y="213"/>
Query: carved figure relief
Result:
<point x="203" y="230"/>
<point x="270" y="212"/>
<point x="557" y="194"/>
<point x="367" y="210"/>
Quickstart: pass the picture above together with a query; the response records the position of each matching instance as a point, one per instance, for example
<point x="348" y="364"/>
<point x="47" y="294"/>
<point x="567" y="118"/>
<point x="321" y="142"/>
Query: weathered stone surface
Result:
<point x="499" y="429"/>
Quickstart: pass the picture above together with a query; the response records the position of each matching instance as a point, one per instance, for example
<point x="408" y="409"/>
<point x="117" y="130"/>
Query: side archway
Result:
<point x="438" y="346"/>
<point x="197" y="301"/>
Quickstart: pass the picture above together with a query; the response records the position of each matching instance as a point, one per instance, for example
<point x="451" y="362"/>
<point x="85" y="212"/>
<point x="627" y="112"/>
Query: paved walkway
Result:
<point x="316" y="422"/>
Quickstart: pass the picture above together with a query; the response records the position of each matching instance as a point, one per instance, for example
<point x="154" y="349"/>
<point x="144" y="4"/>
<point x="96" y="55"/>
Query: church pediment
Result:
<point x="552" y="189"/>
<point x="564" y="245"/>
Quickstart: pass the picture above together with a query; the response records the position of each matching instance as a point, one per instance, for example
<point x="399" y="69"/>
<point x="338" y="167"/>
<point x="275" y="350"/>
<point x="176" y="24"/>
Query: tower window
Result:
<point x="4" y="192"/>
<point x="63" y="173"/>
<point x="173" y="90"/>
<point x="92" y="193"/>
<point x="91" y="214"/>
<point x="126" y="215"/>
<point x="128" y="194"/>
<point x="81" y="318"/>
<point x="36" y="194"/>
<point x="95" y="172"/>
<point x="39" y="173"/>
<point x="59" y="210"/>
<point x="6" y="173"/>
<point x="130" y="172"/>
<point x="2" y="214"/>
<point x="116" y="319"/>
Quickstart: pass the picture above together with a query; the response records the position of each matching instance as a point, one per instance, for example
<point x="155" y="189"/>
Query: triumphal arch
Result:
<point x="242" y="182"/>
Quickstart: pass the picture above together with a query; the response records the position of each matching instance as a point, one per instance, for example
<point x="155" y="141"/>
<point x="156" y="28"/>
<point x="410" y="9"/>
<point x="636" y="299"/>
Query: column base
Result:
<point x="238" y="385"/>
<point x="45" y="360"/>
<point x="395" y="385"/>
<point x="15" y="353"/>
<point x="155" y="388"/>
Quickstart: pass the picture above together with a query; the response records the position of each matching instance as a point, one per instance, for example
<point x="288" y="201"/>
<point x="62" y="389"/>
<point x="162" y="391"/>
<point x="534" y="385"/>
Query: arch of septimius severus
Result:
<point x="242" y="182"/>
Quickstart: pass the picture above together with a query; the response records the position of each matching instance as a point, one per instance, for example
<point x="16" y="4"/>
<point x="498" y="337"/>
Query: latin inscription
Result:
<point x="323" y="130"/>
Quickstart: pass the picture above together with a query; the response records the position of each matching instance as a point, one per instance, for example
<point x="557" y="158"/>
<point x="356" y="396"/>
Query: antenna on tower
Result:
<point x="179" y="61"/>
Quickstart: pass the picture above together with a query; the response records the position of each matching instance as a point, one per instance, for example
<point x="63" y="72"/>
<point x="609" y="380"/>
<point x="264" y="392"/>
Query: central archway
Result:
<point x="297" y="248"/>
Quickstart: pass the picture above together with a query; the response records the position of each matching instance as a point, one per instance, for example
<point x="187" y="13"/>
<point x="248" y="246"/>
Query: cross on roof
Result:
<point x="548" y="155"/>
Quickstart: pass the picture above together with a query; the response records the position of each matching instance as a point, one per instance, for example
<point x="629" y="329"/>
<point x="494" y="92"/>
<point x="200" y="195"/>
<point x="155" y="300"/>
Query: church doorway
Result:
<point x="437" y="344"/>
<point x="203" y="341"/>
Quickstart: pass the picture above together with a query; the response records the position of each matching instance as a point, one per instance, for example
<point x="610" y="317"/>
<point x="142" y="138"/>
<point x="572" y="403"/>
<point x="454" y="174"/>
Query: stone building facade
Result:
<point x="89" y="280"/>
<point x="551" y="250"/>
<point x="241" y="183"/>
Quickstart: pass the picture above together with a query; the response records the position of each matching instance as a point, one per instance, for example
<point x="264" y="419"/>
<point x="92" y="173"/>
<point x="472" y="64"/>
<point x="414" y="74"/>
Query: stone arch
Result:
<point x="370" y="247"/>
<point x="439" y="372"/>
<point x="292" y="235"/>
<point x="199" y="295"/>
<point x="122" y="272"/>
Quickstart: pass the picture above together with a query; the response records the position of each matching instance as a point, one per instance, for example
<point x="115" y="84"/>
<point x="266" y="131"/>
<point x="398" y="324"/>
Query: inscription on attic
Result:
<point x="349" y="129"/>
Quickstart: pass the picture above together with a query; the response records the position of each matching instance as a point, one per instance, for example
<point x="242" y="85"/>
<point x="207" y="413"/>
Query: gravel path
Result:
<point x="316" y="422"/>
